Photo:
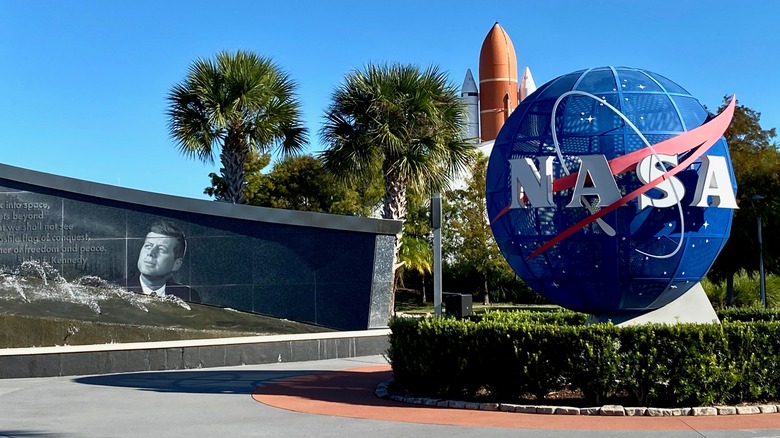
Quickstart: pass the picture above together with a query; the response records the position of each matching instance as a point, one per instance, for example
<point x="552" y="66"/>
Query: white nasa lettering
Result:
<point x="596" y="180"/>
<point x="526" y="180"/>
<point x="650" y="168"/>
<point x="594" y="169"/>
<point x="716" y="183"/>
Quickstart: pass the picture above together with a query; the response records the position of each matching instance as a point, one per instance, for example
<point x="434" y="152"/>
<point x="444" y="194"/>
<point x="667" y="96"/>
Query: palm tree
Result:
<point x="237" y="103"/>
<point x="406" y="123"/>
<point x="416" y="256"/>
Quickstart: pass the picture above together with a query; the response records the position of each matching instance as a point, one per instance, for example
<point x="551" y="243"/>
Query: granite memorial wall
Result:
<point x="334" y="271"/>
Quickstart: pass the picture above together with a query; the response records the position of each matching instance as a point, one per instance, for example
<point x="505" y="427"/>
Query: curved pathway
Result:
<point x="350" y="393"/>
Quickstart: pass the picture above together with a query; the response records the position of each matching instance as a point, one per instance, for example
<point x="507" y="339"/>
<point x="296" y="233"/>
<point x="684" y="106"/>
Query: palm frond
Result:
<point x="411" y="119"/>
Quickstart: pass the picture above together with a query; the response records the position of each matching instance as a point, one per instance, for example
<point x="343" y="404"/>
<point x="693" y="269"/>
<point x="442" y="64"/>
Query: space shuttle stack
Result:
<point x="499" y="92"/>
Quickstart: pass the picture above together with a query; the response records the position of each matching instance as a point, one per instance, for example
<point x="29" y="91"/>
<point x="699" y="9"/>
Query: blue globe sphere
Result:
<point x="652" y="255"/>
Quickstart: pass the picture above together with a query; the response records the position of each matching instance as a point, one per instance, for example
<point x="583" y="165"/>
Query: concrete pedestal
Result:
<point x="693" y="307"/>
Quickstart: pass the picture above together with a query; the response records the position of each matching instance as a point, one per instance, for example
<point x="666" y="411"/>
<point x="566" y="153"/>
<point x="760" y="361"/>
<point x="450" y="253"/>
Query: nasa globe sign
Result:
<point x="610" y="190"/>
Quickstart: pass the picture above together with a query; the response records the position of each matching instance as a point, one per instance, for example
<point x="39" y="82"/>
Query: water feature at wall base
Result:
<point x="38" y="307"/>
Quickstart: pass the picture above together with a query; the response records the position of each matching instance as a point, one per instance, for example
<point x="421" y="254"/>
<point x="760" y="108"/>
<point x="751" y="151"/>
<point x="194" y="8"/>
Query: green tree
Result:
<point x="235" y="104"/>
<point x="300" y="183"/>
<point x="756" y="163"/>
<point x="472" y="255"/>
<point x="400" y="122"/>
<point x="416" y="256"/>
<point x="416" y="252"/>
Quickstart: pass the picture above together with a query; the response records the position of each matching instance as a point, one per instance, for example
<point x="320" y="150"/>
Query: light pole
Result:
<point x="436" y="225"/>
<point x="761" y="279"/>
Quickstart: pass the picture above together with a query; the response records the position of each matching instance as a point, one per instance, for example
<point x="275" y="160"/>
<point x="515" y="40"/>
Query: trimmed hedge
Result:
<point x="510" y="356"/>
<point x="556" y="316"/>
<point x="748" y="314"/>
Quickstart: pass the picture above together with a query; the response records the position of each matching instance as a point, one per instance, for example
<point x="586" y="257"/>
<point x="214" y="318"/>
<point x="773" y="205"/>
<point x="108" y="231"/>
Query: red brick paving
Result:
<point x="350" y="393"/>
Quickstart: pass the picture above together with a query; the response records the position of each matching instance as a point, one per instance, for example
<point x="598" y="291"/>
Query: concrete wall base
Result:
<point x="178" y="355"/>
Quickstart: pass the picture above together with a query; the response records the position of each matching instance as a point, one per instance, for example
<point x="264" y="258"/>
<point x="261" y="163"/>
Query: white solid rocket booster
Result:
<point x="527" y="85"/>
<point x="470" y="96"/>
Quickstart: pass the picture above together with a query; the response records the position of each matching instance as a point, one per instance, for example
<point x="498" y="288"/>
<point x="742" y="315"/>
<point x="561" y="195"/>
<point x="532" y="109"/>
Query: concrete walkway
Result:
<point x="301" y="399"/>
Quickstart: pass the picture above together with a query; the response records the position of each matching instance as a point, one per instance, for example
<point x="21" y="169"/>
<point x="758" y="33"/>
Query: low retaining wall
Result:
<point x="178" y="355"/>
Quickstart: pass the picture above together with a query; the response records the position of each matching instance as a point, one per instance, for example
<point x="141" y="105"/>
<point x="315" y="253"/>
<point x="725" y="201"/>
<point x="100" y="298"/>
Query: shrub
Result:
<point x="748" y="314"/>
<point x="747" y="290"/>
<point x="554" y="316"/>
<point x="512" y="354"/>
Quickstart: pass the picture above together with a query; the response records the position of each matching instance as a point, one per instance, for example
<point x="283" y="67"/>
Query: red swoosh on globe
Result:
<point x="704" y="137"/>
<point x="675" y="145"/>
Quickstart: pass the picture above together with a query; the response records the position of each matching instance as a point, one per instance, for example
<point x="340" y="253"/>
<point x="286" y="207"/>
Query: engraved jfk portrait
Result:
<point x="161" y="255"/>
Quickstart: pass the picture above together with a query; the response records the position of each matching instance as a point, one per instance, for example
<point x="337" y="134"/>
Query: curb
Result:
<point x="606" y="410"/>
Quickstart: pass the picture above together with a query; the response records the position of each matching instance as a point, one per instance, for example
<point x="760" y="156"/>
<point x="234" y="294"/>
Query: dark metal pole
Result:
<point x="761" y="277"/>
<point x="436" y="221"/>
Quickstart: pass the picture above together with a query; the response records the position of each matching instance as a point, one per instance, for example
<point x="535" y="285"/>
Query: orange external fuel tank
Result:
<point x="498" y="86"/>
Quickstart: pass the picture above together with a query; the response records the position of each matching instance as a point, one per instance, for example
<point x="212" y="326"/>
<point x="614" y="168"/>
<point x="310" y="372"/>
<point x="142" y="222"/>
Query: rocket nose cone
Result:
<point x="496" y="35"/>
<point x="497" y="49"/>
<point x="469" y="84"/>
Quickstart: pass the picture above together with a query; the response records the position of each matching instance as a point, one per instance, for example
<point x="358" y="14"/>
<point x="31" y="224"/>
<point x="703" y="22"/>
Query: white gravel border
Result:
<point x="606" y="410"/>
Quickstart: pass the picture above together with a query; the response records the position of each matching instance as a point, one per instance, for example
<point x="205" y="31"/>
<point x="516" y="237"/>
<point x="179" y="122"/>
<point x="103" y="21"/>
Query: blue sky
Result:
<point x="83" y="82"/>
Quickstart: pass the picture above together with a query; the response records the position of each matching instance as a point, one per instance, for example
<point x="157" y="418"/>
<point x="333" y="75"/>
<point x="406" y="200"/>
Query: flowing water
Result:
<point x="38" y="285"/>
<point x="34" y="294"/>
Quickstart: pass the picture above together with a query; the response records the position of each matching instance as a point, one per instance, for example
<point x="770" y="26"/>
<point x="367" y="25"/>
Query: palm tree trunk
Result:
<point x="394" y="204"/>
<point x="233" y="158"/>
<point x="394" y="207"/>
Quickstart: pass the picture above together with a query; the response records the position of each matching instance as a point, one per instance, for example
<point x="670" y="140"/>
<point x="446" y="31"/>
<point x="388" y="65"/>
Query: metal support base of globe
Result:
<point x="692" y="307"/>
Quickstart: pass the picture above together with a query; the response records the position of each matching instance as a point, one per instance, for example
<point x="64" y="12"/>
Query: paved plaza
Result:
<point x="328" y="398"/>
